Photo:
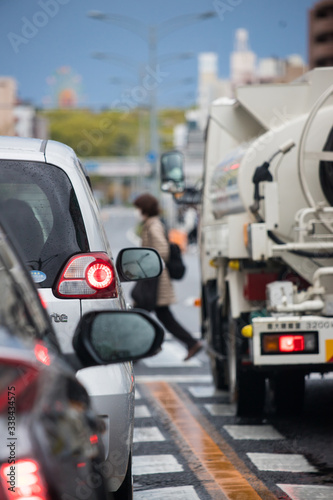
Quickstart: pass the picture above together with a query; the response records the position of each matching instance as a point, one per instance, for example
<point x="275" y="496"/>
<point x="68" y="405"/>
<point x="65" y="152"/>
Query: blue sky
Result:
<point x="40" y="36"/>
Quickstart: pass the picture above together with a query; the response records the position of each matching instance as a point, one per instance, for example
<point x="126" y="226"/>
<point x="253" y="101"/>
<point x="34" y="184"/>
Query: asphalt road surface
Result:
<point x="188" y="443"/>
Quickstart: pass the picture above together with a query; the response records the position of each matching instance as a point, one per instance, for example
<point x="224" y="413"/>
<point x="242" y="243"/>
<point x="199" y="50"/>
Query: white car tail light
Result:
<point x="87" y="276"/>
<point x="27" y="481"/>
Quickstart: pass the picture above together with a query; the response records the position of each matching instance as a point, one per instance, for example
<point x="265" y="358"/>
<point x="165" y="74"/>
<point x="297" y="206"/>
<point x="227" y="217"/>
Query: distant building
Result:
<point x="28" y="123"/>
<point x="294" y="67"/>
<point x="270" y="68"/>
<point x="276" y="70"/>
<point x="7" y="104"/>
<point x="321" y="34"/>
<point x="242" y="60"/>
<point x="210" y="85"/>
<point x="245" y="69"/>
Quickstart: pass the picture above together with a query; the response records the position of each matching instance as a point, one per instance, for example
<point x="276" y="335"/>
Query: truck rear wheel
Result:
<point x="246" y="387"/>
<point x="289" y="388"/>
<point x="250" y="393"/>
<point x="215" y="327"/>
<point x="218" y="368"/>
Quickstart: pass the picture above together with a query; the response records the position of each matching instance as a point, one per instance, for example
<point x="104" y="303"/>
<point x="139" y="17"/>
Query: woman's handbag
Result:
<point x="144" y="294"/>
<point x="175" y="264"/>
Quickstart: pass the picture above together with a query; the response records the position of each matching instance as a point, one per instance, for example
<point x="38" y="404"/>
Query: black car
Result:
<point x="51" y="447"/>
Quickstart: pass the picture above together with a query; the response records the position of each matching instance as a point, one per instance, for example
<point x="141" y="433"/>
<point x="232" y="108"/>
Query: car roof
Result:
<point x="21" y="148"/>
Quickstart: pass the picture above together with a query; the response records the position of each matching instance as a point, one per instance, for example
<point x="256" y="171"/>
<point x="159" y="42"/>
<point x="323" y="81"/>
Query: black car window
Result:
<point x="17" y="310"/>
<point x="21" y="312"/>
<point x="39" y="205"/>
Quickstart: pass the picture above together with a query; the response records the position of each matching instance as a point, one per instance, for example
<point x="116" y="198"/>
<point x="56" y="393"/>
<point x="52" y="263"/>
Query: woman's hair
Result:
<point x="148" y="204"/>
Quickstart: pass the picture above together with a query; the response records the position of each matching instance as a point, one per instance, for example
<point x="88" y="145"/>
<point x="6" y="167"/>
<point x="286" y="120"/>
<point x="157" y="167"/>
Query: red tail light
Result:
<point x="87" y="276"/>
<point x="43" y="302"/>
<point x="94" y="439"/>
<point x="23" y="481"/>
<point x="42" y="354"/>
<point x="23" y="377"/>
<point x="291" y="343"/>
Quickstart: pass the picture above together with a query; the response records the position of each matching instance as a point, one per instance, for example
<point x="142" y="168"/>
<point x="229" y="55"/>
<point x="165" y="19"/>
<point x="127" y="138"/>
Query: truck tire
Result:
<point x="218" y="369"/>
<point x="247" y="387"/>
<point x="213" y="326"/>
<point x="250" y="393"/>
<point x="289" y="388"/>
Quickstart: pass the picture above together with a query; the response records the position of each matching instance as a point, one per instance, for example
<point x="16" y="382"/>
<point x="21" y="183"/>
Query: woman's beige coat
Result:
<point x="153" y="236"/>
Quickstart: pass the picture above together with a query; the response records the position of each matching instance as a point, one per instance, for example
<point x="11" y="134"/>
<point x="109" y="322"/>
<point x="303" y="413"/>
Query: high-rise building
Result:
<point x="210" y="85"/>
<point x="7" y="104"/>
<point x="242" y="60"/>
<point x="321" y="34"/>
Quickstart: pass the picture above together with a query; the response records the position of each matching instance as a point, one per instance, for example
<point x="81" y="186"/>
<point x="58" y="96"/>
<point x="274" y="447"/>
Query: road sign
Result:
<point x="151" y="156"/>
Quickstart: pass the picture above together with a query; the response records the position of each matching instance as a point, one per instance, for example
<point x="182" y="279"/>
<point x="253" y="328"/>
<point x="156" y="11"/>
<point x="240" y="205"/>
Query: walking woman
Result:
<point x="154" y="236"/>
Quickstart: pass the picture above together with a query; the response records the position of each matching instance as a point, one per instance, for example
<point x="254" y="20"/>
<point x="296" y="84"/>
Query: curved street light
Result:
<point x="151" y="35"/>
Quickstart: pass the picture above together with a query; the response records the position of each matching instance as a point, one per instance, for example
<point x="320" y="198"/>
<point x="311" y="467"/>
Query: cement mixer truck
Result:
<point x="266" y="239"/>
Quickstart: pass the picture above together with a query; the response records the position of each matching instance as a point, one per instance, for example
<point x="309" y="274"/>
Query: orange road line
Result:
<point x="229" y="480"/>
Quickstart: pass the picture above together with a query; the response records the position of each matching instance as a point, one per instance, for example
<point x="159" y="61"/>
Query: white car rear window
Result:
<point x="39" y="205"/>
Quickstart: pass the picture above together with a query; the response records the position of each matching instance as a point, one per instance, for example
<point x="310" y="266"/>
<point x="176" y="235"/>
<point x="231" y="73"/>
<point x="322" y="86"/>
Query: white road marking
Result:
<point x="177" y="493"/>
<point x="258" y="432"/>
<point x="189" y="302"/>
<point x="174" y="378"/>
<point x="200" y="391"/>
<point x="307" y="492"/>
<point x="141" y="411"/>
<point x="281" y="462"/>
<point x="147" y="434"/>
<point x="319" y="376"/>
<point x="155" y="464"/>
<point x="169" y="337"/>
<point x="133" y="238"/>
<point x="118" y="210"/>
<point x="221" y="410"/>
<point x="137" y="394"/>
<point x="172" y="355"/>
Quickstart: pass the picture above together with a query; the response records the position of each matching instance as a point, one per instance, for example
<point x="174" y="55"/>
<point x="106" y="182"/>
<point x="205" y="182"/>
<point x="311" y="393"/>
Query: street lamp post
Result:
<point x="152" y="35"/>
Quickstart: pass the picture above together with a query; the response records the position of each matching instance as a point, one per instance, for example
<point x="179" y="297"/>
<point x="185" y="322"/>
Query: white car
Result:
<point x="47" y="201"/>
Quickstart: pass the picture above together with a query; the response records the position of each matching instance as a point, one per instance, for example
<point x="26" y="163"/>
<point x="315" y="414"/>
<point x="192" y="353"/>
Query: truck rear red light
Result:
<point x="289" y="343"/>
<point x="27" y="481"/>
<point x="87" y="276"/>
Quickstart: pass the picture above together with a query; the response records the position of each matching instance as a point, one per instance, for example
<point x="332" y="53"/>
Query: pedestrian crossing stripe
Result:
<point x="147" y="434"/>
<point x="221" y="477"/>
<point x="141" y="411"/>
<point x="155" y="464"/>
<point x="281" y="462"/>
<point x="307" y="492"/>
<point x="180" y="492"/>
<point x="329" y="351"/>
<point x="253" y="432"/>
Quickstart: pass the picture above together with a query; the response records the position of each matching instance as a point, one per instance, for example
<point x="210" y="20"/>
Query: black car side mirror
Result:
<point x="172" y="172"/>
<point x="105" y="337"/>
<point x="135" y="264"/>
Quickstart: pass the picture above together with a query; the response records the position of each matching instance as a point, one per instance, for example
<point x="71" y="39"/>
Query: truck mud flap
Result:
<point x="213" y="312"/>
